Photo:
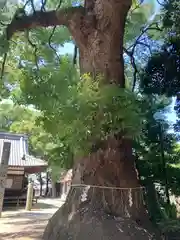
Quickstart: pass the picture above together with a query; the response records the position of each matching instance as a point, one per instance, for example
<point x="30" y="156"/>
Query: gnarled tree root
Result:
<point x="88" y="220"/>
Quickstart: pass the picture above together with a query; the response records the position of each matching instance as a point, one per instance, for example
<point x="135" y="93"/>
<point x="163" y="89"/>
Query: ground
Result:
<point x="18" y="224"/>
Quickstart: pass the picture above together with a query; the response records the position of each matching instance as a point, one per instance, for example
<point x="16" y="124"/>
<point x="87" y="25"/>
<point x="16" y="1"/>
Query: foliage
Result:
<point x="76" y="107"/>
<point x="161" y="75"/>
<point x="171" y="18"/>
<point x="160" y="78"/>
<point x="40" y="46"/>
<point x="61" y="155"/>
<point x="56" y="171"/>
<point x="36" y="73"/>
<point x="170" y="226"/>
<point x="148" y="147"/>
<point x="138" y="17"/>
<point x="19" y="119"/>
<point x="149" y="159"/>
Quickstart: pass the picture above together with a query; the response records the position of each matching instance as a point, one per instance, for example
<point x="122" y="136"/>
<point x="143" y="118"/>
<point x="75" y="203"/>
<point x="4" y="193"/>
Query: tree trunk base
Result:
<point x="105" y="201"/>
<point x="80" y="219"/>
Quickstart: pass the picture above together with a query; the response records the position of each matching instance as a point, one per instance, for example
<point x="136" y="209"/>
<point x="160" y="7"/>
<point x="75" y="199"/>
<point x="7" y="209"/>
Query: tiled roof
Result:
<point x="19" y="150"/>
<point x="33" y="161"/>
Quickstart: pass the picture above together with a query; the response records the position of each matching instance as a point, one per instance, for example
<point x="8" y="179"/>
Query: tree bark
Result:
<point x="109" y="204"/>
<point x="105" y="201"/>
<point x="101" y="48"/>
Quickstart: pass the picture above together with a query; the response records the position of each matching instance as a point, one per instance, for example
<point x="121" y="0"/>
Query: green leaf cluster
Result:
<point x="138" y="17"/>
<point x="81" y="110"/>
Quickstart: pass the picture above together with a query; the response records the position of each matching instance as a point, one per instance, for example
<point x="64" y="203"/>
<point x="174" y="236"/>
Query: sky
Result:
<point x="171" y="115"/>
<point x="67" y="49"/>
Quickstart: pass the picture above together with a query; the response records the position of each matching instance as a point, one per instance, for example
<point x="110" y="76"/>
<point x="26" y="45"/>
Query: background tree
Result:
<point x="157" y="174"/>
<point x="160" y="77"/>
<point x="20" y="119"/>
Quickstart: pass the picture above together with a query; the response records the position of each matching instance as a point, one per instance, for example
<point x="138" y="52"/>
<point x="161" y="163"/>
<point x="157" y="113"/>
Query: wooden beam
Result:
<point x="29" y="200"/>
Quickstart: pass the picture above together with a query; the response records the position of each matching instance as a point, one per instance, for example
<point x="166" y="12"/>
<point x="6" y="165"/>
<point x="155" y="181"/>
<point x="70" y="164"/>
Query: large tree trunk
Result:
<point x="101" y="47"/>
<point x="110" y="205"/>
<point x="105" y="201"/>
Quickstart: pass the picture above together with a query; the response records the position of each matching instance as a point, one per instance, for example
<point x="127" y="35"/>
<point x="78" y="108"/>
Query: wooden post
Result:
<point x="47" y="183"/>
<point x="29" y="199"/>
<point x="3" y="171"/>
<point x="41" y="184"/>
<point x="53" y="185"/>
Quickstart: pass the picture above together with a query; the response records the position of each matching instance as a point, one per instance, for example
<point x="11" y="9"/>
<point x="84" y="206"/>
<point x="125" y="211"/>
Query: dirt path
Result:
<point x="22" y="225"/>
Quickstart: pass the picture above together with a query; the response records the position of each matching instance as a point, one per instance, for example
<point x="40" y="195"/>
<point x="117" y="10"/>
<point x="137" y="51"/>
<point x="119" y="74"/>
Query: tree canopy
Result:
<point x="48" y="80"/>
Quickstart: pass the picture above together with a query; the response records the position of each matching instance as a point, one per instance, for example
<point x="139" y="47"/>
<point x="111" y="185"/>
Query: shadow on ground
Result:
<point x="38" y="205"/>
<point x="31" y="229"/>
<point x="23" y="225"/>
<point x="28" y="215"/>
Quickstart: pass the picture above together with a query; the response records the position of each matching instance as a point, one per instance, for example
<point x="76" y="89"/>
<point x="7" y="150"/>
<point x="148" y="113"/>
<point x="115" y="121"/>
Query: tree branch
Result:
<point x="43" y="5"/>
<point x="162" y="4"/>
<point x="50" y="44"/>
<point x="137" y="6"/>
<point x="44" y="19"/>
<point x="75" y="55"/>
<point x="3" y="66"/>
<point x="32" y="5"/>
<point x="35" y="50"/>
<point x="133" y="63"/>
